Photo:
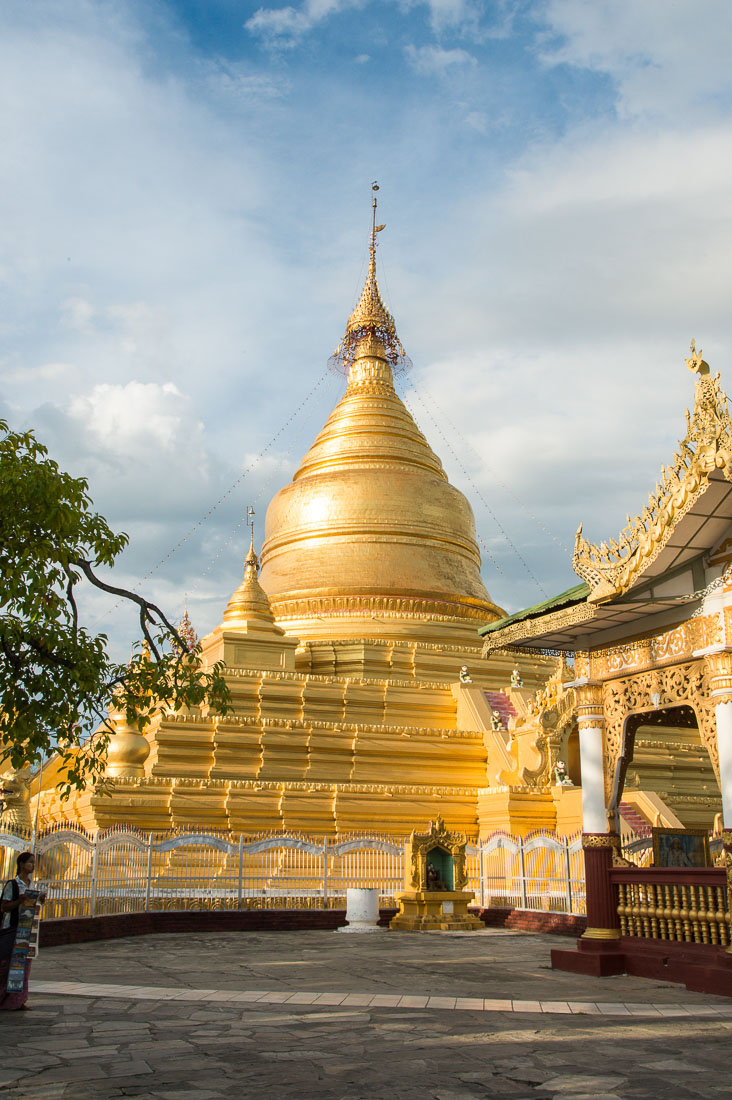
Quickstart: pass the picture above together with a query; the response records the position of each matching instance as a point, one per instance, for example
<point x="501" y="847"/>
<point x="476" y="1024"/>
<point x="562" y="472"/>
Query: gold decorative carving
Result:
<point x="611" y="568"/>
<point x="582" y="664"/>
<point x="292" y="785"/>
<point x="544" y="624"/>
<point x="674" y="645"/>
<point x="400" y="607"/>
<point x="719" y="670"/>
<point x="709" y="631"/>
<point x="589" y="704"/>
<point x="14" y="797"/>
<point x="685" y="684"/>
<point x="601" y="840"/>
<point x="727" y="864"/>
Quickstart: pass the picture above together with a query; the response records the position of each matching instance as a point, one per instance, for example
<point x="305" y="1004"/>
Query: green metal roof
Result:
<point x="577" y="594"/>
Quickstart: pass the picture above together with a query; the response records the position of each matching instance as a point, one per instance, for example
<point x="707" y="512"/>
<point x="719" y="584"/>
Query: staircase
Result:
<point x="635" y="821"/>
<point x="500" y="702"/>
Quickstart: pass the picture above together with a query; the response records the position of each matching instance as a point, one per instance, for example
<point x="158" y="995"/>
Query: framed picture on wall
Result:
<point x="681" y="848"/>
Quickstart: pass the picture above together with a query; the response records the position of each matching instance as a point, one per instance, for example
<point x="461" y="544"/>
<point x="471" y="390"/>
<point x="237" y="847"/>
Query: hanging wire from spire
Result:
<point x="263" y="491"/>
<point x="424" y="398"/>
<point x="200" y="523"/>
<point x="530" y="573"/>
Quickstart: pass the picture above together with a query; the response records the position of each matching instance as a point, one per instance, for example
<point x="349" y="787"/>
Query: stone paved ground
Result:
<point x="390" y="1016"/>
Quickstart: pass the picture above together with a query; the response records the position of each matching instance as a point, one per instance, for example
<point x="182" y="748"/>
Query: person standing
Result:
<point x="16" y="896"/>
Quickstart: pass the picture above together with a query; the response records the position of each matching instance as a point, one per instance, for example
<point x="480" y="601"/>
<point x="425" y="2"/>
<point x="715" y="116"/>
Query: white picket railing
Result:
<point x="123" y="870"/>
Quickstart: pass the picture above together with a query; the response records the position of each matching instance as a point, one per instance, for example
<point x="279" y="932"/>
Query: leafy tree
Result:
<point x="56" y="677"/>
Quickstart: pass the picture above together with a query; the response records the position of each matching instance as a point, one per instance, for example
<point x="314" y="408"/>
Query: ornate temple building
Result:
<point x="650" y="631"/>
<point x="646" y="717"/>
<point x="361" y="700"/>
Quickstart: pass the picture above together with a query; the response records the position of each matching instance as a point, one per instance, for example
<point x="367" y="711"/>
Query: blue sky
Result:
<point x="186" y="192"/>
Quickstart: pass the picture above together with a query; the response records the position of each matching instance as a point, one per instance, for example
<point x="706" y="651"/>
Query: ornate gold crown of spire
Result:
<point x="371" y="318"/>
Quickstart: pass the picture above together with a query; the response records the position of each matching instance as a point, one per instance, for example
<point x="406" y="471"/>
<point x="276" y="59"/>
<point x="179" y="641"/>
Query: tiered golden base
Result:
<point x="424" y="911"/>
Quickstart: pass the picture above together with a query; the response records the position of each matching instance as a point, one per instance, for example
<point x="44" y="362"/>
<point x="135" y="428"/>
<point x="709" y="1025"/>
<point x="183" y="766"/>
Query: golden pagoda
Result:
<point x="370" y="539"/>
<point x="360" y="698"/>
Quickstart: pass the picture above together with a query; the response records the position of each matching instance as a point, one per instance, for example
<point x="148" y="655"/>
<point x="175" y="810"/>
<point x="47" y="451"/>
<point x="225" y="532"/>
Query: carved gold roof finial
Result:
<point x="370" y="329"/>
<point x="695" y="361"/>
<point x="705" y="449"/>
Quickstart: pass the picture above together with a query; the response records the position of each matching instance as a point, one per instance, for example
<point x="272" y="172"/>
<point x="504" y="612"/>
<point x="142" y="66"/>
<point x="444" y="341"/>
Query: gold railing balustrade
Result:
<point x="679" y="905"/>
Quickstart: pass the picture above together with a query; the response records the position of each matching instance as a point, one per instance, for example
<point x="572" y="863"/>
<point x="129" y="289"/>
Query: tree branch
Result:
<point x="70" y="597"/>
<point x="147" y="609"/>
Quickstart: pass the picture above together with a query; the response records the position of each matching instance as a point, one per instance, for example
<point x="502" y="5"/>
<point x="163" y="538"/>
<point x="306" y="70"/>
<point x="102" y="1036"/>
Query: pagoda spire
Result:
<point x="370" y="331"/>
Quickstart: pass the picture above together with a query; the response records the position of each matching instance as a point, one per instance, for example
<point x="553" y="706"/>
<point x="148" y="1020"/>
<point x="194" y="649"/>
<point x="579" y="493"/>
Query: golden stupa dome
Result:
<point x="370" y="528"/>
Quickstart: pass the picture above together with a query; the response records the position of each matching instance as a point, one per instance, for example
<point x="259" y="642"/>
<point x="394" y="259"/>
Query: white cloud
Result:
<point x="280" y="25"/>
<point x="66" y="373"/>
<point x="77" y="313"/>
<point x="435" y="61"/>
<point x="124" y="419"/>
<point x="447" y="14"/>
<point x="283" y="27"/>
<point x="665" y="57"/>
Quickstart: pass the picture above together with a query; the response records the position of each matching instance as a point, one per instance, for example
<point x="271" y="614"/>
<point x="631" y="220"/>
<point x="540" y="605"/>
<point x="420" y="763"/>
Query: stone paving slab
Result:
<point x="290" y="1016"/>
<point x="468" y="1004"/>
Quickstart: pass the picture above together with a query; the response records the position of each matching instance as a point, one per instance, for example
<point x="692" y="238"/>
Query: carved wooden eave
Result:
<point x="555" y="624"/>
<point x="612" y="569"/>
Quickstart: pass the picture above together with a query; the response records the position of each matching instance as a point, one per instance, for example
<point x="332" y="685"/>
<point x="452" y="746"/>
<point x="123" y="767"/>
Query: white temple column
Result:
<point x="723" y="715"/>
<point x="591" y="723"/>
<point x="719" y="668"/>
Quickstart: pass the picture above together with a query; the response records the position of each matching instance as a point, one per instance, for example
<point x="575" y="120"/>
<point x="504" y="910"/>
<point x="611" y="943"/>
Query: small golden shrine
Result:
<point x="435" y="896"/>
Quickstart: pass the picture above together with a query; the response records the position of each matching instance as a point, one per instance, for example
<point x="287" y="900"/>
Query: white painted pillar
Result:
<point x="594" y="816"/>
<point x="591" y="724"/>
<point x="719" y="670"/>
<point x="723" y="715"/>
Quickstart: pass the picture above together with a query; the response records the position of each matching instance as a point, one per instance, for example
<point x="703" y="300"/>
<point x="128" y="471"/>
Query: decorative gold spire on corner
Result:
<point x="186" y="631"/>
<point x="370" y="330"/>
<point x="250" y="601"/>
<point x="707" y="446"/>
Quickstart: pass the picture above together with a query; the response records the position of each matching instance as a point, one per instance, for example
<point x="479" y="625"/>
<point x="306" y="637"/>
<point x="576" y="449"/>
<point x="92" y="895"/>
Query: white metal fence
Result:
<point x="123" y="870"/>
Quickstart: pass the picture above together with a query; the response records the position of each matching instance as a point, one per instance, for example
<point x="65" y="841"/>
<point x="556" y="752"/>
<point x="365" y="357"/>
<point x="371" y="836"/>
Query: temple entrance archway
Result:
<point x="663" y="756"/>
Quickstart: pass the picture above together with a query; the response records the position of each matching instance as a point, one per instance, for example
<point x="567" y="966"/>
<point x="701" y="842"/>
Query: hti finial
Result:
<point x="695" y="362"/>
<point x="370" y="329"/>
<point x="374" y="227"/>
<point x="251" y="560"/>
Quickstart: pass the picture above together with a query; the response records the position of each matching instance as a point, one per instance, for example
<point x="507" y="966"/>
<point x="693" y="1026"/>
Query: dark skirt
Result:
<point x="11" y="1001"/>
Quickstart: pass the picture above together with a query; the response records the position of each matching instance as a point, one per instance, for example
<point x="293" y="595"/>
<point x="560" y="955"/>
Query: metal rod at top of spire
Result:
<point x="374" y="227"/>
